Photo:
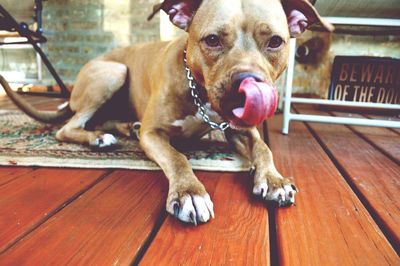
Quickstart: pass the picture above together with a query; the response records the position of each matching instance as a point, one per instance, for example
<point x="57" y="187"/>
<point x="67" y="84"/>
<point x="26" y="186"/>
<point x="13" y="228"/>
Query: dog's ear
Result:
<point x="180" y="12"/>
<point x="301" y="14"/>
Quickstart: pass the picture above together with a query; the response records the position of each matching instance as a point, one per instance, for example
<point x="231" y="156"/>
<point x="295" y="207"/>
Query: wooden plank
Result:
<point x="44" y="103"/>
<point x="30" y="199"/>
<point x="6" y="103"/>
<point x="389" y="118"/>
<point x="8" y="173"/>
<point x="374" y="176"/>
<point x="51" y="106"/>
<point x="328" y="225"/>
<point x="3" y="100"/>
<point x="386" y="140"/>
<point x="238" y="235"/>
<point x="105" y="226"/>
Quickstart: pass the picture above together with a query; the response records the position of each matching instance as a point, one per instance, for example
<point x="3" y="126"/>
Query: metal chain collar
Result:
<point x="198" y="102"/>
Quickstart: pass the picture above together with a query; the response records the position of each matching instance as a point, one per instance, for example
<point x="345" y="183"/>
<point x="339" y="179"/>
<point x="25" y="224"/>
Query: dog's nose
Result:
<point x="237" y="78"/>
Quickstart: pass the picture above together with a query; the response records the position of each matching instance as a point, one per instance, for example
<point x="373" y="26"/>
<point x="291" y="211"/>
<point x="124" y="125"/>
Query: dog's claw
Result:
<point x="252" y="171"/>
<point x="283" y="196"/>
<point x="192" y="209"/>
<point x="210" y="206"/>
<point x="261" y="190"/>
<point x="193" y="218"/>
<point x="285" y="203"/>
<point x="176" y="209"/>
<point x="134" y="130"/>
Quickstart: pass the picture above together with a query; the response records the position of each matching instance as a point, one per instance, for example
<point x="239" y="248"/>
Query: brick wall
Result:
<point x="79" y="30"/>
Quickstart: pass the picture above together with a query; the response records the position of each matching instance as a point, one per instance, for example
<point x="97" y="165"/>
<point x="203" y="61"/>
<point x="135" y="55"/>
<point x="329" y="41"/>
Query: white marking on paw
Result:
<point x="202" y="212"/>
<point x="105" y="140"/>
<point x="108" y="140"/>
<point x="210" y="205"/>
<point x="193" y="209"/>
<point x="276" y="194"/>
<point x="261" y="189"/>
<point x="187" y="213"/>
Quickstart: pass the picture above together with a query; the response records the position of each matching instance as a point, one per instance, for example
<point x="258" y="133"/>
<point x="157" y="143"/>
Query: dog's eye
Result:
<point x="275" y="42"/>
<point x="212" y="40"/>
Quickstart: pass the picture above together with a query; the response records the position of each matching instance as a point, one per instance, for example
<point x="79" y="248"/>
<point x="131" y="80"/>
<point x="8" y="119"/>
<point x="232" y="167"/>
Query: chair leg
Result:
<point x="24" y="31"/>
<point x="64" y="91"/>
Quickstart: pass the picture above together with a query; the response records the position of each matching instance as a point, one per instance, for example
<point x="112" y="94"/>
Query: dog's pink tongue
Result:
<point x="261" y="102"/>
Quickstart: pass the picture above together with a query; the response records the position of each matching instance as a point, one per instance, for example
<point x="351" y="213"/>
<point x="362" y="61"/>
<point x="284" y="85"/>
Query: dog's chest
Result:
<point x="194" y="125"/>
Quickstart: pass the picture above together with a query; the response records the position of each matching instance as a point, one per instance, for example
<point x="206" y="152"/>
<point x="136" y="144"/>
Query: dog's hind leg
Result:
<point x="74" y="131"/>
<point x="96" y="83"/>
<point x="127" y="129"/>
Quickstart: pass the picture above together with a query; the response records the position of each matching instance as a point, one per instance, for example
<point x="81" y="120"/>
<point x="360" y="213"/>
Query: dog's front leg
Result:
<point x="187" y="198"/>
<point x="268" y="182"/>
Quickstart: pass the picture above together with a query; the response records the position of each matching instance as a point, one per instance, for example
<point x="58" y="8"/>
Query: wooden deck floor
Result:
<point x="347" y="211"/>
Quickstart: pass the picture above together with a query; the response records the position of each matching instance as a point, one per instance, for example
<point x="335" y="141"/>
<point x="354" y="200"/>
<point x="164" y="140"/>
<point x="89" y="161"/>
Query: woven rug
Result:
<point x="25" y="142"/>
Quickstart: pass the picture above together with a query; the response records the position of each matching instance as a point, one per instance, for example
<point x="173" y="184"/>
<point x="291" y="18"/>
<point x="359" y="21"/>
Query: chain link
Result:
<point x="198" y="102"/>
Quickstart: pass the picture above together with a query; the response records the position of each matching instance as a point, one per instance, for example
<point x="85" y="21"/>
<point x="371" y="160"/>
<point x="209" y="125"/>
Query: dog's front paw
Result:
<point x="103" y="141"/>
<point x="275" y="188"/>
<point x="190" y="206"/>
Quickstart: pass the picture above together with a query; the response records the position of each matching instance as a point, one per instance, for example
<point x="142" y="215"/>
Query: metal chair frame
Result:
<point x="34" y="38"/>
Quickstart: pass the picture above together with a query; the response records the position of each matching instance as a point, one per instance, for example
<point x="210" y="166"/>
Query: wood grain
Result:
<point x="115" y="218"/>
<point x="237" y="236"/>
<point x="373" y="175"/>
<point x="389" y="118"/>
<point x="386" y="140"/>
<point x="30" y="199"/>
<point x="8" y="173"/>
<point x="105" y="226"/>
<point x="328" y="225"/>
<point x="41" y="102"/>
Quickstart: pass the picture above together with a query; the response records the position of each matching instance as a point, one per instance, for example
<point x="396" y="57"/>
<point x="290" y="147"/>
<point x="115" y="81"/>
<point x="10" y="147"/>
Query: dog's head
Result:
<point x="236" y="49"/>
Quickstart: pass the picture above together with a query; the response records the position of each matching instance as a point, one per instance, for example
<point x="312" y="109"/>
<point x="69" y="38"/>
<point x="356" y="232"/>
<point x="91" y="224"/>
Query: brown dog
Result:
<point x="235" y="51"/>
